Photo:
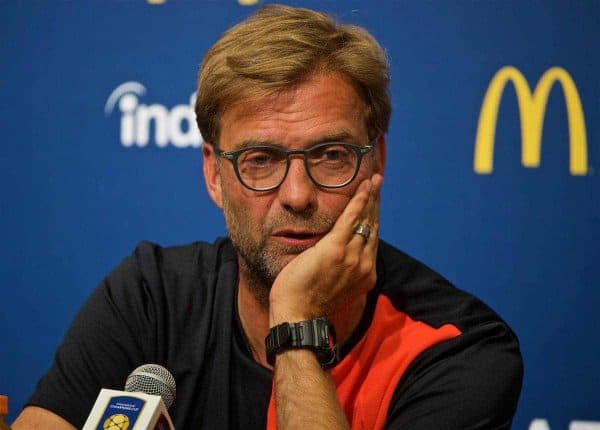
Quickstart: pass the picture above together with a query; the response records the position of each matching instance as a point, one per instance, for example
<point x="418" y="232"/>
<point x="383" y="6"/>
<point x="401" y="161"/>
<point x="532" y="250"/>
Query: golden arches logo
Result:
<point x="532" y="108"/>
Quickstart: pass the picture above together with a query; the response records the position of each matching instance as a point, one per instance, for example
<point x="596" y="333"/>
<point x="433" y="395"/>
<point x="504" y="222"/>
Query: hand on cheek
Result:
<point x="339" y="267"/>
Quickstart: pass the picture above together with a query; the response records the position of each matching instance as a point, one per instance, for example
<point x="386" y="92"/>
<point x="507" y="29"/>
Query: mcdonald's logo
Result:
<point x="532" y="108"/>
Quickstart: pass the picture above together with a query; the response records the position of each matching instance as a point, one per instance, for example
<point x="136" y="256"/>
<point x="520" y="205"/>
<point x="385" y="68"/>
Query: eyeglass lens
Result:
<point x="329" y="165"/>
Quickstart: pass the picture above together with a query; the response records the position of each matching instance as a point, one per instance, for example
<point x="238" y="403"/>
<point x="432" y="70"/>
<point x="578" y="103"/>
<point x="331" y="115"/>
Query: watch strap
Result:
<point x="316" y="334"/>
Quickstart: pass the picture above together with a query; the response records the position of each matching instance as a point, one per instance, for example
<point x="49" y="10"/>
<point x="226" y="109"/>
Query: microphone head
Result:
<point x="152" y="379"/>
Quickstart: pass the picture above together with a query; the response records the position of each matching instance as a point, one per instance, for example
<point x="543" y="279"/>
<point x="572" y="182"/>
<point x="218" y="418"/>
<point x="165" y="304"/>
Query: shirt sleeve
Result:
<point x="470" y="382"/>
<point x="111" y="335"/>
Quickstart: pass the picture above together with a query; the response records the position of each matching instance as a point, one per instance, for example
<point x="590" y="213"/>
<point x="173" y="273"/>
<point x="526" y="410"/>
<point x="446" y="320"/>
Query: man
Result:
<point x="302" y="319"/>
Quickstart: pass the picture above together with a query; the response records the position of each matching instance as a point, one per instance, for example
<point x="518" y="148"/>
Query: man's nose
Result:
<point x="298" y="192"/>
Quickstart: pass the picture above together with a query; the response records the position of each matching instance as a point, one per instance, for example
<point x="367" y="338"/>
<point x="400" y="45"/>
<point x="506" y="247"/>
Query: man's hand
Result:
<point x="340" y="267"/>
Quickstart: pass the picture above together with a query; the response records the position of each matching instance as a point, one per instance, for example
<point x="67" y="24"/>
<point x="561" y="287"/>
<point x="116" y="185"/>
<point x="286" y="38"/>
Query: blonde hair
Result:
<point x="280" y="47"/>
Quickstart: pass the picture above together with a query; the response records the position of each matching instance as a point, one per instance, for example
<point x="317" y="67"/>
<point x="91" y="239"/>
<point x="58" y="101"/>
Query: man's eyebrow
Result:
<point x="247" y="143"/>
<point x="335" y="136"/>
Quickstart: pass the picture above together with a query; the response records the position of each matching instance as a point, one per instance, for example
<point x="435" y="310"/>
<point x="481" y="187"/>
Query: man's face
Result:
<point x="270" y="228"/>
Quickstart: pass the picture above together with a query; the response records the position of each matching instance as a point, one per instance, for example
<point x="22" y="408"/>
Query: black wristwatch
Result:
<point x="317" y="334"/>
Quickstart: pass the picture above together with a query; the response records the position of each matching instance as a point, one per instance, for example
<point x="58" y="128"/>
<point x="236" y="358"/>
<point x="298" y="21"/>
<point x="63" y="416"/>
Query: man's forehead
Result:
<point x="327" y="105"/>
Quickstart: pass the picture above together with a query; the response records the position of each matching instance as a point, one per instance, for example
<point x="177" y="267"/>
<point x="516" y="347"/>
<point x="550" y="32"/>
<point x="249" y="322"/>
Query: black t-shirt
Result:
<point x="177" y="307"/>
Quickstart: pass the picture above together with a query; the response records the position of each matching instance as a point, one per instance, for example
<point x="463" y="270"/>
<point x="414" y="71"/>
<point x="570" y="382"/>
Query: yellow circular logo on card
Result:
<point x="116" y="422"/>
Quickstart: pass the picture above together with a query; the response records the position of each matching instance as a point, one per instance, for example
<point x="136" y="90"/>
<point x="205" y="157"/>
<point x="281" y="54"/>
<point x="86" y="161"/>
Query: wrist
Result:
<point x="282" y="311"/>
<point x="316" y="335"/>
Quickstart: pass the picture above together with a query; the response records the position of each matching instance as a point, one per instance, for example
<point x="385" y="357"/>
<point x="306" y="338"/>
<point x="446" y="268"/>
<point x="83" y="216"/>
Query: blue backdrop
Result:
<point x="100" y="152"/>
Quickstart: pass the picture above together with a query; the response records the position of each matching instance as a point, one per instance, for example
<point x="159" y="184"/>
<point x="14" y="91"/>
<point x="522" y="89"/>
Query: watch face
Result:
<point x="330" y="338"/>
<point x="328" y="352"/>
<point x="327" y="357"/>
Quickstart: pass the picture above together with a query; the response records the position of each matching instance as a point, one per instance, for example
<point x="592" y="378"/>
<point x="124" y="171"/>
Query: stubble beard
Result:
<point x="261" y="259"/>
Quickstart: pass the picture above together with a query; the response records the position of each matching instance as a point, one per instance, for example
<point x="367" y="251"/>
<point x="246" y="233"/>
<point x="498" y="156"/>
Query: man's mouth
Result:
<point x="298" y="238"/>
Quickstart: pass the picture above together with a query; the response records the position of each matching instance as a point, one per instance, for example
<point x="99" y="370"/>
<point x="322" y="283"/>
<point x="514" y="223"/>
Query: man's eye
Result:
<point x="332" y="153"/>
<point x="258" y="158"/>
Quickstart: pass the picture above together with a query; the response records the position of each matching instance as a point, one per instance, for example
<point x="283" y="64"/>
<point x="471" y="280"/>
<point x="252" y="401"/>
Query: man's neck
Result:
<point x="254" y="317"/>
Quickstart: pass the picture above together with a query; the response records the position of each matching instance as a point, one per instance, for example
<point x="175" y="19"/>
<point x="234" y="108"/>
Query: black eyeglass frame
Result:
<point x="233" y="156"/>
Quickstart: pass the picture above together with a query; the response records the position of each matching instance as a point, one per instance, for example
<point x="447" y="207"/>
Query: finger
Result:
<point x="371" y="211"/>
<point x="369" y="251"/>
<point x="346" y="223"/>
<point x="370" y="246"/>
<point x="370" y="214"/>
<point x="370" y="220"/>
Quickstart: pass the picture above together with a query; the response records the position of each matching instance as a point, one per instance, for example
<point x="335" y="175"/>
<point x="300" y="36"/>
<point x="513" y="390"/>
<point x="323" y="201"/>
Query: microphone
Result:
<point x="149" y="392"/>
<point x="152" y="379"/>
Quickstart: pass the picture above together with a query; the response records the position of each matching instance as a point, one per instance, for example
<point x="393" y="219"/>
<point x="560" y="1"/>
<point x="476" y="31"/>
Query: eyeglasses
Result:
<point x="329" y="165"/>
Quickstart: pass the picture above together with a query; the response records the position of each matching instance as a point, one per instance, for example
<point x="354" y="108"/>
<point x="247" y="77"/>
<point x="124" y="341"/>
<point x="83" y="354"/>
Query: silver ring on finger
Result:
<point x="364" y="230"/>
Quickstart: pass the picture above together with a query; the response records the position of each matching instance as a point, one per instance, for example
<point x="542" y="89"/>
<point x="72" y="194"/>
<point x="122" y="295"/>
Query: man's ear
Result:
<point x="380" y="154"/>
<point x="212" y="178"/>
